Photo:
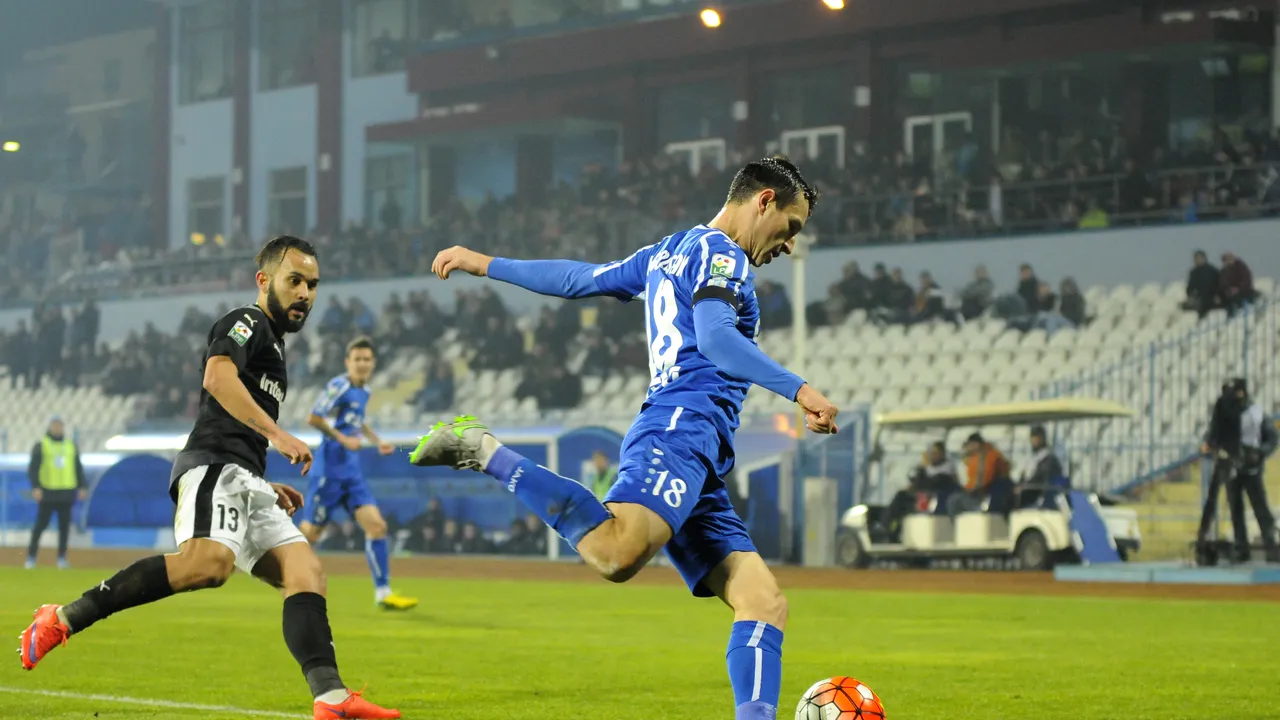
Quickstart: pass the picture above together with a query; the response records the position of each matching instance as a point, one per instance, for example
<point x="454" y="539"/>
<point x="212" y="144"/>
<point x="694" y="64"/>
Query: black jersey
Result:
<point x="246" y="336"/>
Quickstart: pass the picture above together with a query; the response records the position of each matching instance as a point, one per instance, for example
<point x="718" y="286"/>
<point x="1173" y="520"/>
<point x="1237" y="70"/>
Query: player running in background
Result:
<point x="228" y="516"/>
<point x="702" y="320"/>
<point x="336" y="479"/>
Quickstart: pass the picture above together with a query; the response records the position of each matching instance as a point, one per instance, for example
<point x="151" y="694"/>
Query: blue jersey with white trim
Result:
<point x="701" y="262"/>
<point x="346" y="403"/>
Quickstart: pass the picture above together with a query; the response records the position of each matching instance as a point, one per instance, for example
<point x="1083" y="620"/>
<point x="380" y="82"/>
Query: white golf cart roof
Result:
<point x="1031" y="412"/>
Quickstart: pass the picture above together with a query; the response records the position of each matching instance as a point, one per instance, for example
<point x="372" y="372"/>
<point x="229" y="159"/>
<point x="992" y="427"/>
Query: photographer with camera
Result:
<point x="1240" y="438"/>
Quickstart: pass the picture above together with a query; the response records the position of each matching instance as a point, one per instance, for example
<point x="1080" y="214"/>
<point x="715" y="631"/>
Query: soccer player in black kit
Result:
<point x="228" y="516"/>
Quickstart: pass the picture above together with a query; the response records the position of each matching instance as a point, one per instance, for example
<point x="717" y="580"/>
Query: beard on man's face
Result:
<point x="291" y="318"/>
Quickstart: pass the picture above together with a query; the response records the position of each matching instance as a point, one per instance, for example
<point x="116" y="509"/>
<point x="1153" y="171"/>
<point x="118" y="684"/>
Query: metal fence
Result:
<point x="1172" y="383"/>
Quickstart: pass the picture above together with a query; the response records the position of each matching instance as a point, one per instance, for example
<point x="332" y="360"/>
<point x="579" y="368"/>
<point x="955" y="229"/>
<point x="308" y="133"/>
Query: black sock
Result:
<point x="307" y="633"/>
<point x="145" y="581"/>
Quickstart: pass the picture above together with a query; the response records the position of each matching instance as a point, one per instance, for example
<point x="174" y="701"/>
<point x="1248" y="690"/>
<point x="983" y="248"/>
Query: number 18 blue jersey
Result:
<point x="701" y="264"/>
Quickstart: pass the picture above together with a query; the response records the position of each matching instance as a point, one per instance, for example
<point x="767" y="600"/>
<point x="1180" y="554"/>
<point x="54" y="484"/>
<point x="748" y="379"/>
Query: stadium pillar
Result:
<point x="534" y="174"/>
<point x="241" y="97"/>
<point x="329" y="73"/>
<point x="163" y="110"/>
<point x="863" y="95"/>
<point x="799" y="326"/>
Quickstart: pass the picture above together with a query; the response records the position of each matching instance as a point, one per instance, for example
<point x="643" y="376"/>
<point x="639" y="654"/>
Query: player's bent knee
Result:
<point x="375" y="529"/>
<point x="202" y="565"/>
<point x="300" y="570"/>
<point x="766" y="604"/>
<point x="624" y="544"/>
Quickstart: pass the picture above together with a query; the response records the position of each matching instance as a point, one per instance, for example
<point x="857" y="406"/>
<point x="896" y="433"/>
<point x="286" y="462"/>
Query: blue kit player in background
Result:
<point x="336" y="478"/>
<point x="702" y="321"/>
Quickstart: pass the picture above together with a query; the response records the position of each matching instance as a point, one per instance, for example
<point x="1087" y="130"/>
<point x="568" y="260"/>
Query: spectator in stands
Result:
<point x="930" y="302"/>
<point x="472" y="541"/>
<point x="451" y="536"/>
<point x="425" y="539"/>
<point x="437" y="392"/>
<point x="989" y="473"/>
<point x="853" y="288"/>
<point x="1071" y="303"/>
<point x="1203" y="285"/>
<point x="17" y="355"/>
<point x="57" y="481"/>
<point x="334" y="319"/>
<point x="517" y="542"/>
<point x="976" y="297"/>
<point x="537" y="533"/>
<point x="1028" y="287"/>
<point x="775" y="306"/>
<point x="1235" y="283"/>
<point x="898" y="299"/>
<point x="1094" y="217"/>
<point x="602" y="474"/>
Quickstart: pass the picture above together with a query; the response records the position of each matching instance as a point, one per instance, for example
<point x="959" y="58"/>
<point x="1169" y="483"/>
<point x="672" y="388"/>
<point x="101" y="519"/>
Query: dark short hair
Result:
<point x="775" y="173"/>
<point x="1038" y="431"/>
<point x="274" y="251"/>
<point x="361" y="343"/>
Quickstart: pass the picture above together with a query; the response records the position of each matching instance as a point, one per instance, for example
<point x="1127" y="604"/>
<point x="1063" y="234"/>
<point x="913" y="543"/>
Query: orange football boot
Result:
<point x="354" y="707"/>
<point x="44" y="634"/>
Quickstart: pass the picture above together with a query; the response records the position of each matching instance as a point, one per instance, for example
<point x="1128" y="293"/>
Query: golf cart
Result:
<point x="1046" y="525"/>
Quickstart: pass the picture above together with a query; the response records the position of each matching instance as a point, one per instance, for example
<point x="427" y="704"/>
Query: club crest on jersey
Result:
<point x="240" y="333"/>
<point x="722" y="265"/>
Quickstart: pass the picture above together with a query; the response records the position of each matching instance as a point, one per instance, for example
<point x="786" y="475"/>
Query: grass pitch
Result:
<point x="490" y="649"/>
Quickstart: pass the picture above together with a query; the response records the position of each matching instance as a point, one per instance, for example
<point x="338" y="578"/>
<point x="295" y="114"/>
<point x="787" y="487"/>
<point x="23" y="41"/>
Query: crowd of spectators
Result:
<point x="433" y="532"/>
<point x="1035" y="182"/>
<point x="557" y="348"/>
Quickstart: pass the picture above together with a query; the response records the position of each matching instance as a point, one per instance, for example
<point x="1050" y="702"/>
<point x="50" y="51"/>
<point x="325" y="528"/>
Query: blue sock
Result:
<point x="755" y="669"/>
<point x="375" y="551"/>
<point x="569" y="508"/>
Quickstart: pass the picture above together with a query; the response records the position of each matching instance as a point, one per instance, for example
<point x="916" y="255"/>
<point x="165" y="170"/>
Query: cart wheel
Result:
<point x="849" y="550"/>
<point x="1032" y="550"/>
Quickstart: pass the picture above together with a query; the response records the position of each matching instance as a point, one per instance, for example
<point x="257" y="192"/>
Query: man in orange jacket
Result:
<point x="989" y="477"/>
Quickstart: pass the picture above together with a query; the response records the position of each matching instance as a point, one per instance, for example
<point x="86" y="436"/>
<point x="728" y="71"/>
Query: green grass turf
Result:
<point x="484" y="650"/>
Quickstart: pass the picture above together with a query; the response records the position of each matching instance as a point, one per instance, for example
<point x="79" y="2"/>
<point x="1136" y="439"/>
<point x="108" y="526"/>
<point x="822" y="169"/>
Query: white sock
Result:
<point x="380" y="594"/>
<point x="488" y="446"/>
<point x="334" y="697"/>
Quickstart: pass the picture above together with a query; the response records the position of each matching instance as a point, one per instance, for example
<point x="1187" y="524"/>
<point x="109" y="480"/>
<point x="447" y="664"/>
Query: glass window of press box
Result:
<point x="286" y="43"/>
<point x="287" y="200"/>
<point x="206" y="42"/>
<point x="206" y="207"/>
<point x="446" y="22"/>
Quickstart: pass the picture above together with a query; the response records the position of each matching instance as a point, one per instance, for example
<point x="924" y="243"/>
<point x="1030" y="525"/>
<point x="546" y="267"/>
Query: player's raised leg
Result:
<point x="617" y="541"/>
<point x="295" y="570"/>
<point x="378" y="553"/>
<point x="754" y="655"/>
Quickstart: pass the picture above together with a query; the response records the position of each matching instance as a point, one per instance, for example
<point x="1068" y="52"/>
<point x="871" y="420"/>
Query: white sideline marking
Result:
<point x="148" y="702"/>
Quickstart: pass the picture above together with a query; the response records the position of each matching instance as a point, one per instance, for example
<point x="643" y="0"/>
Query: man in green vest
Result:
<point x="57" y="480"/>
<point x="602" y="475"/>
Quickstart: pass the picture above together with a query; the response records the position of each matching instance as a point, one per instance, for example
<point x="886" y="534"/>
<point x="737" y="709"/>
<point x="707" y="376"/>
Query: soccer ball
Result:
<point x="839" y="698"/>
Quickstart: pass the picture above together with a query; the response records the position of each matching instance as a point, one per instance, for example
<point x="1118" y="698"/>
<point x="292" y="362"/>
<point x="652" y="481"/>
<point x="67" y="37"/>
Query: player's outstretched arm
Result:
<point x="568" y="279"/>
<point x="320" y="423"/>
<point x="715" y="323"/>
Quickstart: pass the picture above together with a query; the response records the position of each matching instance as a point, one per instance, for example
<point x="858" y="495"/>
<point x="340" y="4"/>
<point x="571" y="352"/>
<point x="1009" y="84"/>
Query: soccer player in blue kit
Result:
<point x="702" y="321"/>
<point x="336" y="478"/>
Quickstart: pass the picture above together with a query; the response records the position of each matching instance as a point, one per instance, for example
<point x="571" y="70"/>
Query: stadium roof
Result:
<point x="1019" y="413"/>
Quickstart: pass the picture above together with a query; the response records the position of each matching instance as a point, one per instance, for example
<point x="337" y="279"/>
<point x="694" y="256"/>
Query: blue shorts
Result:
<point x="673" y="464"/>
<point x="326" y="493"/>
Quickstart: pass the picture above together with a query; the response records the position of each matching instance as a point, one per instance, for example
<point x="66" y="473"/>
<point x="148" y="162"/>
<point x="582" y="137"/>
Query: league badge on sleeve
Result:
<point x="722" y="265"/>
<point x="240" y="333"/>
